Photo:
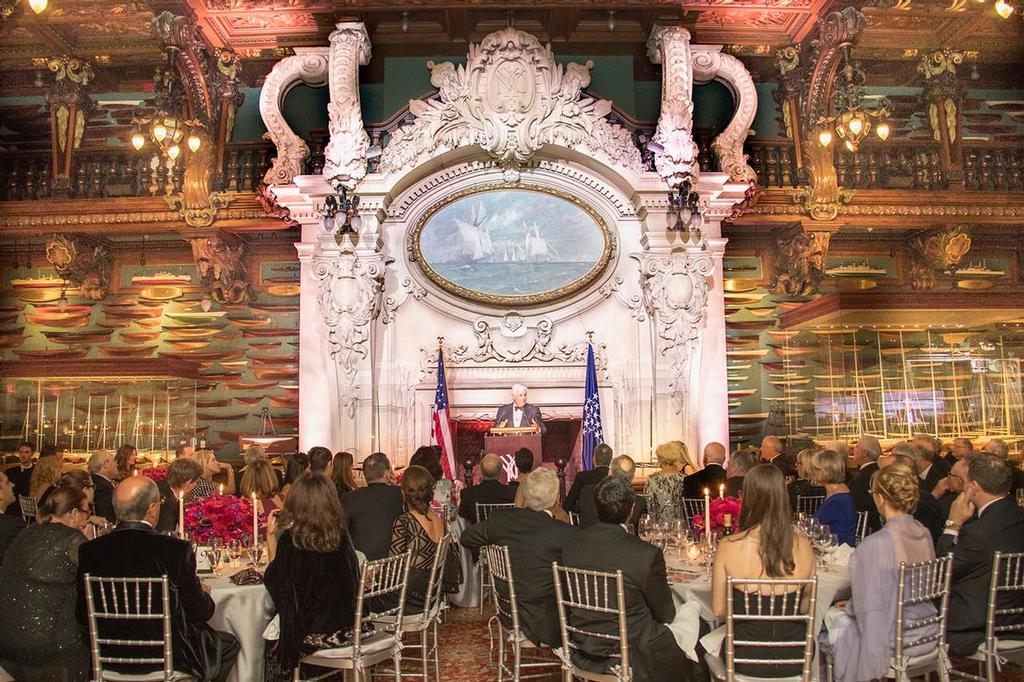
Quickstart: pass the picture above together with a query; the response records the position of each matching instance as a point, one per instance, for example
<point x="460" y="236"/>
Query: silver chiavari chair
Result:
<point x="692" y="506"/>
<point x="574" y="519"/>
<point x="130" y="603"/>
<point x="381" y="581"/>
<point x="808" y="504"/>
<point x="28" y="508"/>
<point x="483" y="510"/>
<point x="1007" y="580"/>
<point x="506" y="611"/>
<point x="862" y="526"/>
<point x="596" y="593"/>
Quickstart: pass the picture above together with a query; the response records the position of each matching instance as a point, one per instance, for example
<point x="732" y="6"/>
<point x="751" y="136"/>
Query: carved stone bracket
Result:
<point x="511" y="98"/>
<point x="69" y="109"/>
<point x="710" y="63"/>
<point x="634" y="302"/>
<point x="936" y="252"/>
<point x="407" y="289"/>
<point x="677" y="158"/>
<point x="799" y="260"/>
<point x="349" y="286"/>
<point x="345" y="155"/>
<point x="221" y="261"/>
<point x="308" y="65"/>
<point x="675" y="288"/>
<point x="81" y="261"/>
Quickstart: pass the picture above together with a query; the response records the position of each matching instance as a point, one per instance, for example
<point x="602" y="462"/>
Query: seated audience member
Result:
<point x="928" y="512"/>
<point x="295" y="467"/>
<point x="321" y="460"/>
<point x="624" y="467"/>
<point x="534" y="539"/>
<point x="664" y="489"/>
<point x="931" y="467"/>
<point x="103" y="468"/>
<point x="371" y="510"/>
<point x="951" y="486"/>
<point x="607" y="546"/>
<point x="490" y="490"/>
<point x="126" y="457"/>
<point x="739" y="464"/>
<point x="602" y="458"/>
<point x="341" y="473"/>
<point x="803" y="486"/>
<point x="82" y="480"/>
<point x="417" y="531"/>
<point x="313" y="576"/>
<point x="45" y="475"/>
<point x="209" y="468"/>
<point x="865" y="457"/>
<point x="999" y="448"/>
<point x="135" y="550"/>
<point x="10" y="525"/>
<point x="524" y="461"/>
<point x="20" y="476"/>
<point x="773" y="452"/>
<point x="711" y="476"/>
<point x="837" y="511"/>
<point x="767" y="546"/>
<point x="999" y="527"/>
<point x="42" y="640"/>
<point x="260" y="478"/>
<point x="864" y="647"/>
<point x="958" y="449"/>
<point x="182" y="477"/>
<point x="255" y="453"/>
<point x="445" y="501"/>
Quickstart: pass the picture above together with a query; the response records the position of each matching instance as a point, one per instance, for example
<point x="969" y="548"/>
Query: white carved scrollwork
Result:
<point x="634" y="302"/>
<point x="406" y="289"/>
<point x="349" y="289"/>
<point x="709" y="63"/>
<point x="676" y="159"/>
<point x="511" y="98"/>
<point x="345" y="155"/>
<point x="309" y="65"/>
<point x="675" y="287"/>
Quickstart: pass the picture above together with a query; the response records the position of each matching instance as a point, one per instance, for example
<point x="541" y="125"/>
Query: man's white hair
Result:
<point x="541" y="489"/>
<point x="517" y="389"/>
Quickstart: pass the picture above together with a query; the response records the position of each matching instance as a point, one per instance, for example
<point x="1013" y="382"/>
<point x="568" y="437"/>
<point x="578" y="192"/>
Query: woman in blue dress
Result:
<point x="828" y="469"/>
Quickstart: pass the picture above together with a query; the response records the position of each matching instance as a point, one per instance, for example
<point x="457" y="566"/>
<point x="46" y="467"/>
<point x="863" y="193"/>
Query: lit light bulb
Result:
<point x="404" y="24"/>
<point x="159" y="132"/>
<point x="856" y="125"/>
<point x="882" y="130"/>
<point x="851" y="146"/>
<point x="356" y="222"/>
<point x="825" y="137"/>
<point x="138" y="140"/>
<point x="173" y="151"/>
<point x="194" y="142"/>
<point x="38" y="6"/>
<point x="1003" y="9"/>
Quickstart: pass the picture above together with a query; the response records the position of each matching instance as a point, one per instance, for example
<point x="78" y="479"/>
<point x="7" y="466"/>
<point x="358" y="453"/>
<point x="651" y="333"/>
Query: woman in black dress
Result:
<point x="418" y="531"/>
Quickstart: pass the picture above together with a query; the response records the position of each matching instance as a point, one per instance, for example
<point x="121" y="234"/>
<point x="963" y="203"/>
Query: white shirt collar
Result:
<point x="981" y="510"/>
<point x="865" y="464"/>
<point x="924" y="474"/>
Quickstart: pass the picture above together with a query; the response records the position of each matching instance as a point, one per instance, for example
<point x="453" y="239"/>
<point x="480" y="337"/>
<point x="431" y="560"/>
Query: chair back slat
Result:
<point x="1007" y="580"/>
<point x="579" y="592"/>
<point x="28" y="507"/>
<point x="862" y="526"/>
<point x="574" y="518"/>
<point x="484" y="509"/>
<point x="435" y="595"/>
<point x="505" y="604"/>
<point x="380" y="581"/>
<point x="808" y="504"/>
<point x="926" y="582"/>
<point x="783" y="602"/>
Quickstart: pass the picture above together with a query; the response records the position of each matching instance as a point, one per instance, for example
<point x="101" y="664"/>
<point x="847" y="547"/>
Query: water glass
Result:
<point x="258" y="554"/>
<point x="235" y="552"/>
<point x="645" y="528"/>
<point x="215" y="553"/>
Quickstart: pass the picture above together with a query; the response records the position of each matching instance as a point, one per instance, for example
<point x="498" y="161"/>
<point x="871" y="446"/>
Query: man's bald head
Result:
<point x="714" y="453"/>
<point x="137" y="499"/>
<point x="490" y="467"/>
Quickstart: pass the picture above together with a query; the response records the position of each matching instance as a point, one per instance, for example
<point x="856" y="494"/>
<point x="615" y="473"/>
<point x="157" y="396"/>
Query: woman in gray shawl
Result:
<point x="863" y="636"/>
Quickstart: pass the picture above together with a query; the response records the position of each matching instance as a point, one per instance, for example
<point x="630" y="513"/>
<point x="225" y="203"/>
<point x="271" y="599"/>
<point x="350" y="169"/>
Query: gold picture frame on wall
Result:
<point x="511" y="246"/>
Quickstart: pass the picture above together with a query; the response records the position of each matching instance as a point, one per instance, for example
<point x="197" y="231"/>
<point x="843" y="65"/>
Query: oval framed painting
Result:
<point x="512" y="246"/>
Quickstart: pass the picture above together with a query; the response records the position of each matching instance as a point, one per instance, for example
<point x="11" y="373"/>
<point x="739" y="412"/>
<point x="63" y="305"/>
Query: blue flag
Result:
<point x="592" y="436"/>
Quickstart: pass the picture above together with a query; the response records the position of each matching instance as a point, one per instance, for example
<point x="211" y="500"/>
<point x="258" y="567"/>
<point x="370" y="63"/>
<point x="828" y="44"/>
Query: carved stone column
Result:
<point x="69" y="109"/>
<point x="676" y="159"/>
<point x="345" y="155"/>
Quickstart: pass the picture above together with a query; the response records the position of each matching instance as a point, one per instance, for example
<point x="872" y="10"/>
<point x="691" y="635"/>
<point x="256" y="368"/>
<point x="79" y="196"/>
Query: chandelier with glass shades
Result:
<point x="852" y="122"/>
<point x="167" y="129"/>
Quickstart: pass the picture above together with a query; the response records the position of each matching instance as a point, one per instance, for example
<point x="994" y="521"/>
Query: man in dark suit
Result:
<point x="740" y="463"/>
<point x="624" y="467"/>
<point x="490" y="490"/>
<point x="999" y="448"/>
<point x="710" y="477"/>
<point x="182" y="476"/>
<point x="999" y="526"/>
<point x="534" y="539"/>
<point x="103" y="468"/>
<point x="135" y="550"/>
<point x="519" y="413"/>
<point x="958" y="449"/>
<point x="865" y="455"/>
<point x="607" y="546"/>
<point x="773" y="453"/>
<point x="930" y="468"/>
<point x="928" y="512"/>
<point x="20" y="476"/>
<point x="602" y="458"/>
<point x="371" y="511"/>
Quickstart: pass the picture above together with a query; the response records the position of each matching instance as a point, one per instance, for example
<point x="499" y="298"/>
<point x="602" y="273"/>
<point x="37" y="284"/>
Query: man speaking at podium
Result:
<point x="518" y="413"/>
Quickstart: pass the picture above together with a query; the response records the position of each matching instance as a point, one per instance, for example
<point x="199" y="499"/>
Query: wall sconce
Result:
<point x="348" y="208"/>
<point x="683" y="213"/>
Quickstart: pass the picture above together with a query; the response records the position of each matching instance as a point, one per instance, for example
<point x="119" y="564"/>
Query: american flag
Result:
<point x="442" y="420"/>
<point x="592" y="436"/>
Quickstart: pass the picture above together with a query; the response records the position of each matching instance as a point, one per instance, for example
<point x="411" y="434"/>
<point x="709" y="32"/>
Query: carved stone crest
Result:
<point x="799" y="260"/>
<point x="82" y="262"/>
<point x="936" y="252"/>
<point x="511" y="98"/>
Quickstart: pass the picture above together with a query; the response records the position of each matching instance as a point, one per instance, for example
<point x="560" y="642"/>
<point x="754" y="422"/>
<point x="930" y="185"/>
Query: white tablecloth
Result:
<point x="244" y="611"/>
<point x="468" y="595"/>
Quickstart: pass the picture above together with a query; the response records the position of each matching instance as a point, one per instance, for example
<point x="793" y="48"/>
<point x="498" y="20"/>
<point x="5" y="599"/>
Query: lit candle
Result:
<point x="221" y="489"/>
<point x="707" y="515"/>
<point x="255" y="522"/>
<point x="181" y="513"/>
<point x="721" y="490"/>
<point x="692" y="552"/>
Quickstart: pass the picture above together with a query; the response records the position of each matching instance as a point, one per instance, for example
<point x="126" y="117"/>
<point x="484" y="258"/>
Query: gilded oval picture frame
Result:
<point x="505" y="246"/>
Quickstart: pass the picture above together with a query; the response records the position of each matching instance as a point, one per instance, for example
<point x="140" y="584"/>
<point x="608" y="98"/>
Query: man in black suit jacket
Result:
<point x="958" y="450"/>
<point x="740" y="463"/>
<point x="624" y="467"/>
<point x="534" y="539"/>
<point x="999" y="526"/>
<point x="608" y="546"/>
<point x="371" y="511"/>
<point x="773" y="453"/>
<point x="103" y="468"/>
<point x="135" y="550"/>
<point x="489" y="490"/>
<point x="519" y="413"/>
<point x="602" y="458"/>
<point x="999" y="448"/>
<point x="865" y="455"/>
<point x="710" y="477"/>
<point x="182" y="476"/>
<point x="20" y="476"/>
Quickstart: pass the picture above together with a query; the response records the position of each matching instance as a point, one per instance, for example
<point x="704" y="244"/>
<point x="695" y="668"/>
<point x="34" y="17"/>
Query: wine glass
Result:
<point x="258" y="553"/>
<point x="235" y="551"/>
<point x="215" y="552"/>
<point x="645" y="528"/>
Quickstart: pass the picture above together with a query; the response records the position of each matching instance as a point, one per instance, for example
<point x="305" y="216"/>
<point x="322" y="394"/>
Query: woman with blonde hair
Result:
<point x="45" y="475"/>
<point x="206" y="485"/>
<point x="664" y="489"/>
<point x="803" y="486"/>
<point x="863" y="633"/>
<point x="828" y="469"/>
<point x="259" y="478"/>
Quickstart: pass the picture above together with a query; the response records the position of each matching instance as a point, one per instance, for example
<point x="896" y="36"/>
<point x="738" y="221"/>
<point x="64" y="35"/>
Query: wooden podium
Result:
<point x="505" y="441"/>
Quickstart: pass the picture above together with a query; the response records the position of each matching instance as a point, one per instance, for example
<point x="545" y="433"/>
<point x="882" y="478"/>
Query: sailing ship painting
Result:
<point x="514" y="246"/>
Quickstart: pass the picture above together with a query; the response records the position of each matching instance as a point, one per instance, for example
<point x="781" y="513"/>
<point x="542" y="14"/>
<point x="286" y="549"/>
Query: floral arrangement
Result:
<point x="155" y="473"/>
<point x="720" y="506"/>
<point x="224" y="517"/>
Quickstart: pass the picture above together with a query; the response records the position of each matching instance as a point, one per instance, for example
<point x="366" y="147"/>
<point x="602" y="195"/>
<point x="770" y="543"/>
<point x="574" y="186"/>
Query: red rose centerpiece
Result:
<point x="224" y="517"/>
<point x="155" y="473"/>
<point x="723" y="509"/>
